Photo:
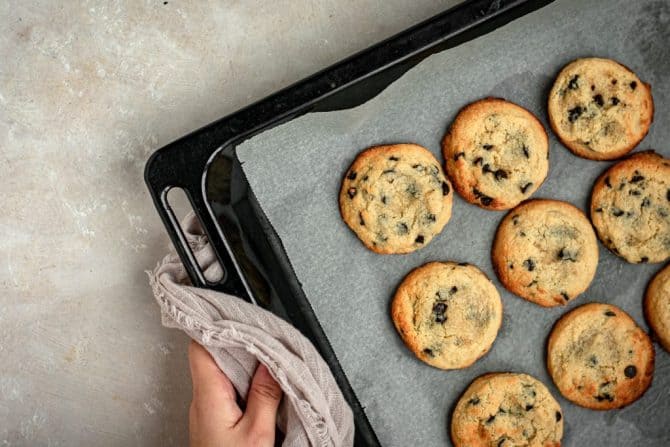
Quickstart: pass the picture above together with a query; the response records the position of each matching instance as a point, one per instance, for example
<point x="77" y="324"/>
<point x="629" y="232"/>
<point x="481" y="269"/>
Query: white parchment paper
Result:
<point x="295" y="172"/>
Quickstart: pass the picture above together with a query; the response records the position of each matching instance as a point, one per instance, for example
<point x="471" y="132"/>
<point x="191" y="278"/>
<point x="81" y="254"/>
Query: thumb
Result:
<point x="262" y="402"/>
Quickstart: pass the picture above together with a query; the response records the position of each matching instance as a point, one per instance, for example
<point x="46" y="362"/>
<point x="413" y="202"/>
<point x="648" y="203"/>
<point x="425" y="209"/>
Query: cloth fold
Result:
<point x="238" y="335"/>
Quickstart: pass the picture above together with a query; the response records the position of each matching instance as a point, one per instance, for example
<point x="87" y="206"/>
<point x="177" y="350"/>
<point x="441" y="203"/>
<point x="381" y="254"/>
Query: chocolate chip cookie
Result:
<point x="496" y="153"/>
<point x="395" y="198"/>
<point x="600" y="109"/>
<point x="657" y="306"/>
<point x="448" y="314"/>
<point x="630" y="208"/>
<point x="599" y="358"/>
<point x="507" y="409"/>
<point x="545" y="251"/>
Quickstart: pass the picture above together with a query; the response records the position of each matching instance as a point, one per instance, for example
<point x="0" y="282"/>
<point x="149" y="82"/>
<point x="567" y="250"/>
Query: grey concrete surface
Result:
<point x="88" y="90"/>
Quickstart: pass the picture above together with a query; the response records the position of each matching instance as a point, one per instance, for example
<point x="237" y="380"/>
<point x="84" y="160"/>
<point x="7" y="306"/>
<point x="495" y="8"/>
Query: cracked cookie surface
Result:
<point x="395" y="198"/>
<point x="545" y="251"/>
<point x="448" y="314"/>
<point x="657" y="306"/>
<point x="496" y="153"/>
<point x="630" y="208"/>
<point x="506" y="410"/>
<point x="600" y="109"/>
<point x="599" y="358"/>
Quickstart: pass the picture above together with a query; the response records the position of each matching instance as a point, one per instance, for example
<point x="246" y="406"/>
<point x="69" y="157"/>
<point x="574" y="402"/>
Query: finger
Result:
<point x="262" y="403"/>
<point x="213" y="393"/>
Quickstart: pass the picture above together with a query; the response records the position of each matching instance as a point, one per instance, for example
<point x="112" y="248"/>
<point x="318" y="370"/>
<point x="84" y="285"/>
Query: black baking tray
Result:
<point x="204" y="165"/>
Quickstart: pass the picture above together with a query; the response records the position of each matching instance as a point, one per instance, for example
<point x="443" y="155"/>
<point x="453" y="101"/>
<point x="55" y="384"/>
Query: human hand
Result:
<point x="216" y="420"/>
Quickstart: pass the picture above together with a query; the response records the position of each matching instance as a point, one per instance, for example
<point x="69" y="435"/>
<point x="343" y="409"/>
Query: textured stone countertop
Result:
<point x="88" y="90"/>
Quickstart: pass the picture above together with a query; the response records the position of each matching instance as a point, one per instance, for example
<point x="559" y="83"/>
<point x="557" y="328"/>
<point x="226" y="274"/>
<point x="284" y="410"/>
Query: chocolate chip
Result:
<point x="526" y="151"/>
<point x="525" y="187"/>
<point x="645" y="202"/>
<point x="352" y="192"/>
<point x="511" y="266"/>
<point x="491" y="419"/>
<point x="459" y="155"/>
<point x="634" y="192"/>
<point x="419" y="168"/>
<point x="365" y="179"/>
<point x="529" y="407"/>
<point x="559" y="416"/>
<point x="487" y="147"/>
<point x="402" y="228"/>
<point x="598" y="210"/>
<point x="667" y="195"/>
<point x="630" y="371"/>
<point x="593" y="360"/>
<point x="463" y="264"/>
<point x="604" y="396"/>
<point x="445" y="188"/>
<point x="599" y="100"/>
<point x="565" y="296"/>
<point x="500" y="174"/>
<point x="572" y="85"/>
<point x="609" y="313"/>
<point x="412" y="190"/>
<point x="429" y="352"/>
<point x="529" y="264"/>
<point x="607" y="182"/>
<point x="388" y="171"/>
<point x="453" y="290"/>
<point x="474" y="401"/>
<point x="352" y="175"/>
<point x="617" y="212"/>
<point x="614" y="81"/>
<point x="486" y="168"/>
<point x="360" y="216"/>
<point x="430" y="217"/>
<point x="515" y="219"/>
<point x="615" y="100"/>
<point x="438" y="310"/>
<point x="644" y="259"/>
<point x="477" y="161"/>
<point x="501" y="443"/>
<point x="522" y="234"/>
<point x="593" y="87"/>
<point x="575" y="113"/>
<point x="392" y="158"/>
<point x="637" y="178"/>
<point x="566" y="255"/>
<point x="633" y="85"/>
<point x="419" y="239"/>
<point x="483" y="198"/>
<point x="384" y="199"/>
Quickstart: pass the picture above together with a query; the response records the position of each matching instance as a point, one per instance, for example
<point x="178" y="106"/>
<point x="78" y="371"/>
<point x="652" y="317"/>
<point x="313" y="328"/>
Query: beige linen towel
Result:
<point x="238" y="335"/>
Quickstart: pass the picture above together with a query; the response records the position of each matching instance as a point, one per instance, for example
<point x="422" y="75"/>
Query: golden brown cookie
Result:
<point x="657" y="306"/>
<point x="496" y="153"/>
<point x="599" y="357"/>
<point x="448" y="314"/>
<point x="630" y="208"/>
<point x="600" y="109"/>
<point x="507" y="409"/>
<point x="395" y="198"/>
<point x="545" y="251"/>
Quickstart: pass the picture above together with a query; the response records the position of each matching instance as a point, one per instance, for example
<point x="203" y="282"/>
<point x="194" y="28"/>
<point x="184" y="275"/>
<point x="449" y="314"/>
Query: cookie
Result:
<point x="630" y="208"/>
<point x="545" y="251"/>
<point x="395" y="198"/>
<point x="448" y="314"/>
<point x="599" y="358"/>
<point x="507" y="409"/>
<point x="657" y="306"/>
<point x="600" y="109"/>
<point x="496" y="153"/>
